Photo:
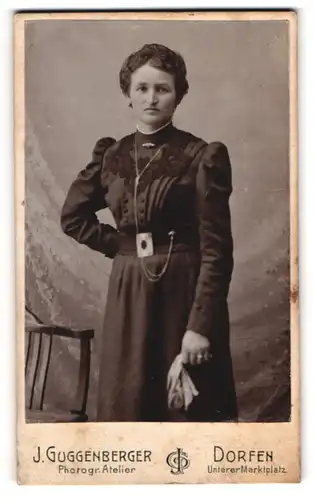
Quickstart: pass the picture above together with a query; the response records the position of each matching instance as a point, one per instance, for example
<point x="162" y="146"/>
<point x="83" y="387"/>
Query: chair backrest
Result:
<point x="38" y="357"/>
<point x="39" y="340"/>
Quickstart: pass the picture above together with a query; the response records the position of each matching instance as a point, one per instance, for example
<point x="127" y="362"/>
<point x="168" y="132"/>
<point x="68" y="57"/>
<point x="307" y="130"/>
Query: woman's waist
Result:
<point x="182" y="240"/>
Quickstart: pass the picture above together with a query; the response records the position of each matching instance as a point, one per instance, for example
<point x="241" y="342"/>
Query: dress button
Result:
<point x="143" y="244"/>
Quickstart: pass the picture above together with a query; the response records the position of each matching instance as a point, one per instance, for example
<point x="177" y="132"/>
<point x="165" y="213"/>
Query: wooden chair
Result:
<point x="39" y="339"/>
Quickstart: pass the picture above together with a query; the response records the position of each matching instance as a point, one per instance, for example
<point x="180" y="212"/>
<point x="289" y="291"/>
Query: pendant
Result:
<point x="144" y="245"/>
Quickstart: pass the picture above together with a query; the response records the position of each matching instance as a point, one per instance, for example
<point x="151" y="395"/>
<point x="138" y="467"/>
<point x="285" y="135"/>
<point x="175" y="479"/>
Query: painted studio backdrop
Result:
<point x="239" y="94"/>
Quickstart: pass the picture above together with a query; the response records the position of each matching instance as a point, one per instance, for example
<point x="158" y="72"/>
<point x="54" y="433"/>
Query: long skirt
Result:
<point x="143" y="329"/>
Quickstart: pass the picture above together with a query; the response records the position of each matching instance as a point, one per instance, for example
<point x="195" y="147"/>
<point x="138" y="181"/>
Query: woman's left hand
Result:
<point x="195" y="348"/>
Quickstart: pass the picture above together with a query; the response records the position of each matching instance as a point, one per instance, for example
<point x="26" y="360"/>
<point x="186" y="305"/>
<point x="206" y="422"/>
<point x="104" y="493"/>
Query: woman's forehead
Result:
<point x="149" y="74"/>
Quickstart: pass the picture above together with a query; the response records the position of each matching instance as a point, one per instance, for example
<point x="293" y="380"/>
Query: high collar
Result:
<point x="155" y="138"/>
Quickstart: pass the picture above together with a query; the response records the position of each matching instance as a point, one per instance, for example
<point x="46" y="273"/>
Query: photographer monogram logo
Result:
<point x="178" y="461"/>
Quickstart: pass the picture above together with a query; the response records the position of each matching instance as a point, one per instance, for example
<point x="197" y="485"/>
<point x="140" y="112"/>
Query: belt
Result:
<point x="183" y="241"/>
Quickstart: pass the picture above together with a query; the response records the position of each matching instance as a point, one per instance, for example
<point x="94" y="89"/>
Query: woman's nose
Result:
<point x="152" y="97"/>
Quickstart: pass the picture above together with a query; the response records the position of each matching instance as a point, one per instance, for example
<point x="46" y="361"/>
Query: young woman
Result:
<point x="172" y="251"/>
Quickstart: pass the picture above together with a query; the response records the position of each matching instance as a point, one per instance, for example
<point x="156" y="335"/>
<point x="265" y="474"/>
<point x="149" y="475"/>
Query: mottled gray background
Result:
<point x="239" y="94"/>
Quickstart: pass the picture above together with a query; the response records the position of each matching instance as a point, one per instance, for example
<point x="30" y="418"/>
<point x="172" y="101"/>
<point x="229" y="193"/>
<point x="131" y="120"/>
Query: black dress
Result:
<point x="185" y="189"/>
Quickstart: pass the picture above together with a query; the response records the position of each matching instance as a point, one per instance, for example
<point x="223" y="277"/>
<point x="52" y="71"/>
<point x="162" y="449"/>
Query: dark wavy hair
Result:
<point x="158" y="56"/>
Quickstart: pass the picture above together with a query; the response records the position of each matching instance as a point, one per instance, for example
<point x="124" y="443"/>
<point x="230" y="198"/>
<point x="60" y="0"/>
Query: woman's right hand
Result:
<point x="195" y="348"/>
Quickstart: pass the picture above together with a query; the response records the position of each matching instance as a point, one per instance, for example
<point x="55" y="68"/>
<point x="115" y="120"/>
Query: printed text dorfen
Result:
<point x="253" y="455"/>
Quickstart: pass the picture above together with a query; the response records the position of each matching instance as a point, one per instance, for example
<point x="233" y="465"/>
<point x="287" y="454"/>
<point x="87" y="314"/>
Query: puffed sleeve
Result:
<point x="85" y="197"/>
<point x="214" y="186"/>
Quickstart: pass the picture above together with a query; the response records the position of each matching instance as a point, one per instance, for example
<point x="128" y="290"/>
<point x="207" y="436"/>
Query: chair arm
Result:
<point x="60" y="331"/>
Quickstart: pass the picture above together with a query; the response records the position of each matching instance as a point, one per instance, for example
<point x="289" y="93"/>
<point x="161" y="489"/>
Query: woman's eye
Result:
<point x="162" y="90"/>
<point x="142" y="88"/>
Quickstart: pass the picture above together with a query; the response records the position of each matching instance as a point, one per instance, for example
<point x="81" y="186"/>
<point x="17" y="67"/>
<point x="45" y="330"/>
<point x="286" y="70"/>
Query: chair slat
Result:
<point x="42" y="371"/>
<point x="28" y="341"/>
<point x="33" y="353"/>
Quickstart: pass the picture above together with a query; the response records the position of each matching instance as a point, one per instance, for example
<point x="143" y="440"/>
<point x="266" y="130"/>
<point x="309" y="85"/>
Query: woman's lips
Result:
<point x="152" y="110"/>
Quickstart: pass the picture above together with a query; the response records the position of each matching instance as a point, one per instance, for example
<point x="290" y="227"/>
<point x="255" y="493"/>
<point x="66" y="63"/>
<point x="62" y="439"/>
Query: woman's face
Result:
<point x="153" y="96"/>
